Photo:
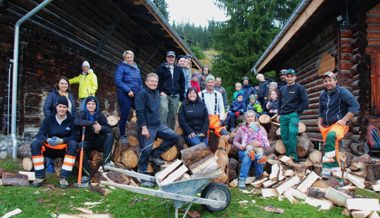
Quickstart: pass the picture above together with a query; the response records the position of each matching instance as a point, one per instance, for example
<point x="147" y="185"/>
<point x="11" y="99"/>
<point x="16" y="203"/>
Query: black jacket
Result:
<point x="82" y="120"/>
<point x="263" y="89"/>
<point x="193" y="117"/>
<point x="50" y="127"/>
<point x="51" y="102"/>
<point x="169" y="85"/>
<point x="292" y="99"/>
<point x="147" y="104"/>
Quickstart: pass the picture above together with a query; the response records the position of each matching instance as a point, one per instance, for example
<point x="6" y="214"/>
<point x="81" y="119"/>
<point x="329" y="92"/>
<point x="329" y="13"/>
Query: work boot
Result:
<point x="242" y="184"/>
<point x="38" y="182"/>
<point x="63" y="183"/>
<point x="157" y="161"/>
<point x="86" y="179"/>
<point x="146" y="183"/>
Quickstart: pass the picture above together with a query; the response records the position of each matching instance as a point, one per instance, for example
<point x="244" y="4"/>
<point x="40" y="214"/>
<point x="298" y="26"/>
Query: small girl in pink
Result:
<point x="255" y="140"/>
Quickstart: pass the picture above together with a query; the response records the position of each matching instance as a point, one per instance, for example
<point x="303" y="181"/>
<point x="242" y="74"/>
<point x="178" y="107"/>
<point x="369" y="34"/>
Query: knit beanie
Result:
<point x="90" y="98"/>
<point x="239" y="94"/>
<point x="63" y="100"/>
<point x="210" y="77"/>
<point x="86" y="64"/>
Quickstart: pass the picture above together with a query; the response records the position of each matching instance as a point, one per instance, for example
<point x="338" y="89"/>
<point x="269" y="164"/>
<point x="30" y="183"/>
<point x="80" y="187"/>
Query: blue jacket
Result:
<point x="248" y="91"/>
<point x="334" y="105"/>
<point x="263" y="89"/>
<point x="147" y="103"/>
<point x="292" y="99"/>
<point x="51" y="102"/>
<point x="50" y="127"/>
<point x="84" y="119"/>
<point x="128" y="78"/>
<point x="171" y="85"/>
<point x="237" y="106"/>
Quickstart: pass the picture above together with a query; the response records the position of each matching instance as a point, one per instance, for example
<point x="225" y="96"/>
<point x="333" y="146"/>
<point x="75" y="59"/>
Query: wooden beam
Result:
<point x="269" y="192"/>
<point x="362" y="204"/>
<point x="337" y="197"/>
<point x="301" y="20"/>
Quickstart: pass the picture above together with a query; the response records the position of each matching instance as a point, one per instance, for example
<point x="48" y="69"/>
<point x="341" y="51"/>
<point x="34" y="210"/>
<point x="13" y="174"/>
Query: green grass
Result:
<point x="45" y="201"/>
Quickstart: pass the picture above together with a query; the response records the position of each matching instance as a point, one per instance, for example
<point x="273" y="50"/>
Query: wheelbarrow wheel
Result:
<point x="219" y="192"/>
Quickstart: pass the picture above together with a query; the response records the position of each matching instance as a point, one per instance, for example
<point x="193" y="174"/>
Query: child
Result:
<point x="255" y="140"/>
<point x="236" y="108"/>
<point x="272" y="104"/>
<point x="194" y="82"/>
<point x="238" y="90"/>
<point x="254" y="105"/>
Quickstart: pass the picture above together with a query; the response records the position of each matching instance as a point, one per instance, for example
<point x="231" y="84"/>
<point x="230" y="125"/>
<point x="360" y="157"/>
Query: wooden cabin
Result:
<point x="56" y="40"/>
<point x="338" y="35"/>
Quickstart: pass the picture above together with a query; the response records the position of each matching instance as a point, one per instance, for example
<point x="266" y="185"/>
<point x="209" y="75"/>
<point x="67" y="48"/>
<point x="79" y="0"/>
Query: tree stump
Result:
<point x="264" y="119"/>
<point x="170" y="154"/>
<point x="130" y="158"/>
<point x="113" y="120"/>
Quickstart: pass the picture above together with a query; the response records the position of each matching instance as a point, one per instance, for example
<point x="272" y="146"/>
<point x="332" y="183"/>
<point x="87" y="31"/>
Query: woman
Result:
<point x="55" y="139"/>
<point x="203" y="76"/>
<point x="62" y="88"/>
<point x="193" y="118"/>
<point x="128" y="83"/>
<point x="246" y="161"/>
<point x="98" y="134"/>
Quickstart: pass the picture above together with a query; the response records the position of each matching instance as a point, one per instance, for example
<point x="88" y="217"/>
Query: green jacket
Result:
<point x="88" y="84"/>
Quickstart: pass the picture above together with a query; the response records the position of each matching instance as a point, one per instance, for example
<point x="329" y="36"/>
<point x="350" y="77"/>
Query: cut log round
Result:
<point x="279" y="147"/>
<point x="194" y="154"/>
<point x="113" y="120"/>
<point x="315" y="157"/>
<point x="301" y="127"/>
<point x="119" y="148"/>
<point x="156" y="143"/>
<point x="130" y="158"/>
<point x="150" y="168"/>
<point x="304" y="145"/>
<point x="264" y="119"/>
<point x="133" y="140"/>
<point x="278" y="132"/>
<point x="170" y="154"/>
<point x="27" y="163"/>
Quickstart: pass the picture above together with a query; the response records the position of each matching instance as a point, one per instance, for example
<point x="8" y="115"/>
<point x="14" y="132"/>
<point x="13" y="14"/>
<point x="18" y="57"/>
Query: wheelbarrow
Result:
<point x="213" y="196"/>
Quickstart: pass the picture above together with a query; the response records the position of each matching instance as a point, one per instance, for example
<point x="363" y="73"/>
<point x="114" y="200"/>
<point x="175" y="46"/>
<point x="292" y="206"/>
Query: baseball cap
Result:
<point x="170" y="53"/>
<point x="283" y="71"/>
<point x="291" y="71"/>
<point x="329" y="74"/>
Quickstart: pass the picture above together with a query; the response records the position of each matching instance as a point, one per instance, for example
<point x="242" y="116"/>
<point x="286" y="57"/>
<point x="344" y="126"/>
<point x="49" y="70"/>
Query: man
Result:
<point x="183" y="63"/>
<point x="262" y="92"/>
<point x="98" y="135"/>
<point x="248" y="90"/>
<point x="282" y="81"/>
<point x="337" y="106"/>
<point x="149" y="124"/>
<point x="171" y="87"/>
<point x="55" y="139"/>
<point x="187" y="73"/>
<point x="218" y="87"/>
<point x="292" y="102"/>
<point x="88" y="82"/>
<point x="215" y="106"/>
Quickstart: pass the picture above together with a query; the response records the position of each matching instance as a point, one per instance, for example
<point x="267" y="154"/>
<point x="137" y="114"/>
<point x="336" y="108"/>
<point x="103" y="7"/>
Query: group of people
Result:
<point x="202" y="102"/>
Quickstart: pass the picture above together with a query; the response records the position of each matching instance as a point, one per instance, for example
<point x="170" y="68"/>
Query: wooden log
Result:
<point x="223" y="143"/>
<point x="365" y="204"/>
<point x="2" y="171"/>
<point x="232" y="174"/>
<point x="99" y="189"/>
<point x="222" y="160"/>
<point x="269" y="192"/>
<point x="304" y="145"/>
<point x="269" y="183"/>
<point x="233" y="164"/>
<point x="164" y="173"/>
<point x="133" y="140"/>
<point x="264" y="119"/>
<point x="129" y="158"/>
<point x="297" y="194"/>
<point x="275" y="172"/>
<point x="116" y="132"/>
<point x="308" y="182"/>
<point x="356" y="180"/>
<point x="278" y="131"/>
<point x="27" y="163"/>
<point x="301" y="127"/>
<point x="318" y="203"/>
<point x="374" y="214"/>
<point x="201" y="164"/>
<point x="119" y="148"/>
<point x="337" y="197"/>
<point x="360" y="214"/>
<point x="259" y="183"/>
<point x="175" y="175"/>
<point x="289" y="195"/>
<point x="279" y="147"/>
<point x="315" y="157"/>
<point x="288" y="184"/>
<point x="14" y="179"/>
<point x="195" y="153"/>
<point x="170" y="154"/>
<point x="315" y="192"/>
<point x="31" y="175"/>
<point x="113" y="120"/>
<point x="117" y="177"/>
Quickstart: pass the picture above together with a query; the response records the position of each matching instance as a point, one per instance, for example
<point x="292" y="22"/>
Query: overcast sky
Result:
<point x="197" y="12"/>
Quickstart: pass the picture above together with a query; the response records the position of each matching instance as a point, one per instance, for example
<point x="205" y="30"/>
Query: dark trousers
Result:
<point x="39" y="151"/>
<point x="101" y="143"/>
<point x="125" y="103"/>
<point x="163" y="132"/>
<point x="231" y="119"/>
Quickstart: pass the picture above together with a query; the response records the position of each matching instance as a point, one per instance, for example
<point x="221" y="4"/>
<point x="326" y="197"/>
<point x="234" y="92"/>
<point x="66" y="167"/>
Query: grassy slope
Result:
<point x="42" y="202"/>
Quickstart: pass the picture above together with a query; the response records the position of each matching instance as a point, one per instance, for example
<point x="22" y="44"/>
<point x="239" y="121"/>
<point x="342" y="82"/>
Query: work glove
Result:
<point x="55" y="141"/>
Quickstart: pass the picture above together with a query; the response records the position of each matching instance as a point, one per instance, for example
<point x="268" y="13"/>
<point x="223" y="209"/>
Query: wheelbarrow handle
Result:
<point x="132" y="174"/>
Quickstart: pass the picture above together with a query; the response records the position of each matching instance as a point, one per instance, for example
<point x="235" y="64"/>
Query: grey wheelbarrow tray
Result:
<point x="181" y="192"/>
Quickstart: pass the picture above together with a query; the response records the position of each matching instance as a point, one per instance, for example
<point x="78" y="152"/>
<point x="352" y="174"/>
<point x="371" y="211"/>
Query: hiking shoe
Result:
<point x="109" y="164"/>
<point x="63" y="183"/>
<point x="38" y="182"/>
<point x="86" y="179"/>
<point x="263" y="159"/>
<point x="242" y="184"/>
<point x="146" y="183"/>
<point x="157" y="161"/>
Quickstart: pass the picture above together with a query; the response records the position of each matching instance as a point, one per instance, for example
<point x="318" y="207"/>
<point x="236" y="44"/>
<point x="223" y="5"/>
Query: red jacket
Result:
<point x="195" y="84"/>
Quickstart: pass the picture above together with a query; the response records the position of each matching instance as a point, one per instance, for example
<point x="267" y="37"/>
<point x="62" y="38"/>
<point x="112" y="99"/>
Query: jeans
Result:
<point x="289" y="132"/>
<point x="195" y="140"/>
<point x="68" y="153"/>
<point x="125" y="104"/>
<point x="231" y="119"/>
<point x="163" y="132"/>
<point x="102" y="143"/>
<point x="168" y="110"/>
<point x="246" y="164"/>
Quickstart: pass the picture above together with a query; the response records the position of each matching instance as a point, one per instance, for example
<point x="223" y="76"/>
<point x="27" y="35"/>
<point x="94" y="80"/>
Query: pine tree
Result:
<point x="162" y="7"/>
